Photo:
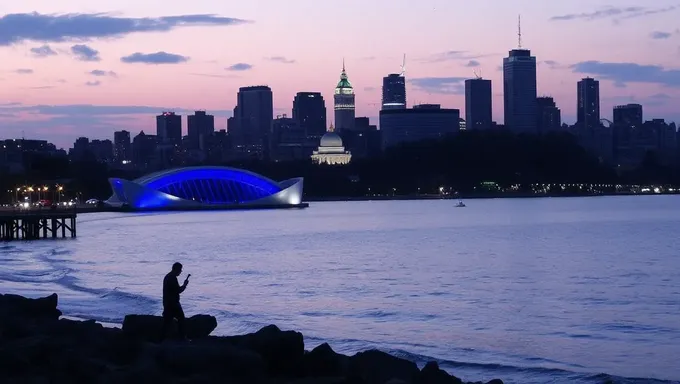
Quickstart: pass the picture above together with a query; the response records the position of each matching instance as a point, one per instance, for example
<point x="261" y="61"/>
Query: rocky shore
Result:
<point x="37" y="345"/>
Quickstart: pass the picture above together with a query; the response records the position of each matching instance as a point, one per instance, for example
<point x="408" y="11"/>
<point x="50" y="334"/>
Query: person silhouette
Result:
<point x="172" y="309"/>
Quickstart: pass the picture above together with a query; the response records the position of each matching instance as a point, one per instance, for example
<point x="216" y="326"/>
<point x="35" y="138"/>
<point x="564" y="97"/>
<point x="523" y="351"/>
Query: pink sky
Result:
<point x="372" y="36"/>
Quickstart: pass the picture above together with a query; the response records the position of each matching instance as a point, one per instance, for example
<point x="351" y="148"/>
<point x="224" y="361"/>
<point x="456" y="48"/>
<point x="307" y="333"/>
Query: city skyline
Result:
<point x="59" y="83"/>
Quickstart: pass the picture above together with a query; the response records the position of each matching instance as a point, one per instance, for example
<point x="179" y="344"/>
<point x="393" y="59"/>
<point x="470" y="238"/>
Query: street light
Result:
<point x="59" y="190"/>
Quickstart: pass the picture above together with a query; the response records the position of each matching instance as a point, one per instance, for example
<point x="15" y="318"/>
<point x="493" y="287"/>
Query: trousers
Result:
<point x="170" y="313"/>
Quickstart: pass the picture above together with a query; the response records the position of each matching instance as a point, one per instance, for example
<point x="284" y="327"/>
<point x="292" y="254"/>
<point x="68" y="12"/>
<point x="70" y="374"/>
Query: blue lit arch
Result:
<point x="192" y="186"/>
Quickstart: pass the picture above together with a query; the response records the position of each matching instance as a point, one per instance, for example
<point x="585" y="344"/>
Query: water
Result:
<point x="572" y="290"/>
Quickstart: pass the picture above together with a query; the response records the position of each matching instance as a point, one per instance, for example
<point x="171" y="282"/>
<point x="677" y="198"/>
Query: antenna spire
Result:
<point x="519" y="31"/>
<point x="343" y="64"/>
<point x="403" y="66"/>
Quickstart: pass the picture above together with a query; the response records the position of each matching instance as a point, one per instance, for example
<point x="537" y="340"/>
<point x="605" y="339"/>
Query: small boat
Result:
<point x="460" y="204"/>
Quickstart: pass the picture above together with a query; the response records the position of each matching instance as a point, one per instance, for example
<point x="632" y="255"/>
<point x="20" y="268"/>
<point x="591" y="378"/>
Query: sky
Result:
<point x="74" y="68"/>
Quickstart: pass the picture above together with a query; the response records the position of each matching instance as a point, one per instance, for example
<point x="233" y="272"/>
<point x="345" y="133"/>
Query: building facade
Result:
<point x="394" y="92"/>
<point x="253" y="119"/>
<point x="478" y="106"/>
<point x="331" y="151"/>
<point x="169" y="128"/>
<point x="200" y="126"/>
<point x="422" y="122"/>
<point x="309" y="109"/>
<point x="519" y="91"/>
<point x="588" y="103"/>
<point x="344" y="103"/>
<point x="122" y="147"/>
<point x="628" y="115"/>
<point x="549" y="115"/>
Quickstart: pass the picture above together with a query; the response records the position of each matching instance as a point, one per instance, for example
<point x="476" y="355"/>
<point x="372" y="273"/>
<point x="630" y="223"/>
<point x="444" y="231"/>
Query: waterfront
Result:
<point x="532" y="289"/>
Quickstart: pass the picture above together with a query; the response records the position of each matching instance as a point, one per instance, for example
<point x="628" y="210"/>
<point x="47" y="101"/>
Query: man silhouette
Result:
<point x="172" y="309"/>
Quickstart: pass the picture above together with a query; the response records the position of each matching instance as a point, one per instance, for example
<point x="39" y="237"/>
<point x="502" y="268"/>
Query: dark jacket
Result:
<point x="171" y="290"/>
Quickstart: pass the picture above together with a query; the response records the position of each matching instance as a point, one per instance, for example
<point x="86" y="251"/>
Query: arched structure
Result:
<point x="195" y="187"/>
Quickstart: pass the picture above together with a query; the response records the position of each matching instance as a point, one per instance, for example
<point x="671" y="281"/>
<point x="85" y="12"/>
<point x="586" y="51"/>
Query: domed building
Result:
<point x="331" y="151"/>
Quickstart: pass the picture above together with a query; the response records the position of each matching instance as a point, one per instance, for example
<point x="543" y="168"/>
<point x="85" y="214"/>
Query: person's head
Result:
<point x="177" y="269"/>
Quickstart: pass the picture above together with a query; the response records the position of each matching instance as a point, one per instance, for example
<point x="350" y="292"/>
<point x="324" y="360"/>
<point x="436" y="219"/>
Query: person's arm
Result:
<point x="184" y="286"/>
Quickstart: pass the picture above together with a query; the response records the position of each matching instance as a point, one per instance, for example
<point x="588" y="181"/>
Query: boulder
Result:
<point x="282" y="351"/>
<point x="432" y="374"/>
<point x="377" y="367"/>
<point x="44" y="308"/>
<point x="149" y="328"/>
<point x="323" y="361"/>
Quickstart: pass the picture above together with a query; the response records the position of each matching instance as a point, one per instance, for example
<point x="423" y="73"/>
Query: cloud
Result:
<point x="440" y="85"/>
<point x="99" y="110"/>
<point x="472" y="64"/>
<point x="240" y="67"/>
<point x="660" y="96"/>
<point x="93" y="83"/>
<point x="56" y="28"/>
<point x="657" y="35"/>
<point x="281" y="59"/>
<point x="552" y="64"/>
<point x="616" y="13"/>
<point x="370" y="89"/>
<point x="83" y="52"/>
<point x="43" y="51"/>
<point x="212" y="75"/>
<point x="154" y="58"/>
<point x="101" y="73"/>
<point x="622" y="73"/>
<point x="24" y="71"/>
<point x="453" y="56"/>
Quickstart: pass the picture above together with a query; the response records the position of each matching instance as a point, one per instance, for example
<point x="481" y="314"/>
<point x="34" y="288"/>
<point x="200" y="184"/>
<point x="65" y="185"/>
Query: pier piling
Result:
<point x="35" y="225"/>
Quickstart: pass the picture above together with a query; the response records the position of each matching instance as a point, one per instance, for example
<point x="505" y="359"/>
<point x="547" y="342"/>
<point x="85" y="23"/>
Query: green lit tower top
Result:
<point x="344" y="102"/>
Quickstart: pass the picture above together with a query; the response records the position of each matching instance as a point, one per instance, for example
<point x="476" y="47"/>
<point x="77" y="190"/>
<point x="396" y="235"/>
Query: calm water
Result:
<point x="527" y="290"/>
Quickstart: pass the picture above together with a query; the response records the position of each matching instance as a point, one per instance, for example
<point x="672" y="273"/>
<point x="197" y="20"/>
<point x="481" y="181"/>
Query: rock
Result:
<point x="194" y="358"/>
<point x="38" y="347"/>
<point x="323" y="361"/>
<point x="377" y="367"/>
<point x="283" y="351"/>
<point x="149" y="328"/>
<point x="19" y="306"/>
<point x="432" y="374"/>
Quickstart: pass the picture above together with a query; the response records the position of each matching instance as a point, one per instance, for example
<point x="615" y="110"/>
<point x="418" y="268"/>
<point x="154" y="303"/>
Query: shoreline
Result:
<point x="34" y="334"/>
<point x="83" y="208"/>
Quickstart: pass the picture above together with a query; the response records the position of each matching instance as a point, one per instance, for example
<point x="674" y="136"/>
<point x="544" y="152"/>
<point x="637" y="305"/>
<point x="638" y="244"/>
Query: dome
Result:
<point x="331" y="139"/>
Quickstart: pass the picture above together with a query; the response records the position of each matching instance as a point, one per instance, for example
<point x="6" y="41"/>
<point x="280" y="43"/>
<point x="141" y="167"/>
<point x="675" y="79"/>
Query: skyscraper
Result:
<point x="344" y="103"/>
<point x="200" y="126"/>
<point x="549" y="115"/>
<point x="169" y="128"/>
<point x="588" y="103"/>
<point x="478" y="104"/>
<point x="309" y="109"/>
<point x="254" y="116"/>
<point x="394" y="92"/>
<point x="628" y="115"/>
<point x="519" y="91"/>
<point x="122" y="146"/>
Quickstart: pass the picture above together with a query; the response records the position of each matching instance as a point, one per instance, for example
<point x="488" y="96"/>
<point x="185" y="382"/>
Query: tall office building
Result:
<point x="169" y="128"/>
<point x="200" y="126"/>
<point x="628" y="115"/>
<point x="122" y="146"/>
<point x="422" y="122"/>
<point x="588" y="103"/>
<point x="519" y="91"/>
<point x="254" y="116"/>
<point x="394" y="92"/>
<point x="309" y="110"/>
<point x="344" y="103"/>
<point x="478" y="104"/>
<point x="549" y="116"/>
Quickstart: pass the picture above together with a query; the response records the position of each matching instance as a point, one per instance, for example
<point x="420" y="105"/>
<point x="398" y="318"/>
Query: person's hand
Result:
<point x="186" y="281"/>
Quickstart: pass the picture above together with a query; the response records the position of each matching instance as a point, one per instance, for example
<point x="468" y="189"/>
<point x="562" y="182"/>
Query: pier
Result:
<point x="37" y="224"/>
